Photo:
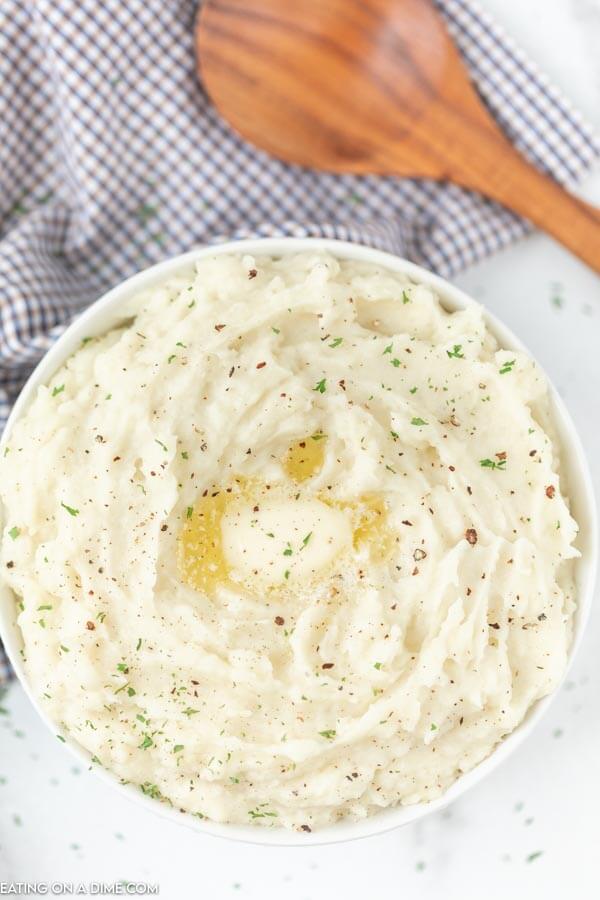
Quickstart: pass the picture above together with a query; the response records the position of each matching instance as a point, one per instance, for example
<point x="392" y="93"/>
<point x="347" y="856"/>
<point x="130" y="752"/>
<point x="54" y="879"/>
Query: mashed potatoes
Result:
<point x="289" y="546"/>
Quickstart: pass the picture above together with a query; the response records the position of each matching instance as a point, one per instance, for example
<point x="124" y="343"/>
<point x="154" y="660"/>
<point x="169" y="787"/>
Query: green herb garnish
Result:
<point x="492" y="464"/>
<point x="261" y="813"/>
<point x="151" y="790"/>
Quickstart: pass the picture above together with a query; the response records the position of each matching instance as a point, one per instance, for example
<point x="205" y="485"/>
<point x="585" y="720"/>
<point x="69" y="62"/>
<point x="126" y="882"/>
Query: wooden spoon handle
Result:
<point x="506" y="176"/>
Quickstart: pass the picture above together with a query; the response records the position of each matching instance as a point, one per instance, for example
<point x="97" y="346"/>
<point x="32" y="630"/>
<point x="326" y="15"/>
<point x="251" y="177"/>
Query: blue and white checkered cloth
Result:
<point x="112" y="158"/>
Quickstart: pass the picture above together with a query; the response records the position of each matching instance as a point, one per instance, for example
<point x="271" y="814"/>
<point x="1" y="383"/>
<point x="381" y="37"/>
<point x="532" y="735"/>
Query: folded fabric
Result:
<point x="113" y="158"/>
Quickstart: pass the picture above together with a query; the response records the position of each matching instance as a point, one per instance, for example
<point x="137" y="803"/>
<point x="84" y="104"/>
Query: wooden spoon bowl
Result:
<point x="372" y="87"/>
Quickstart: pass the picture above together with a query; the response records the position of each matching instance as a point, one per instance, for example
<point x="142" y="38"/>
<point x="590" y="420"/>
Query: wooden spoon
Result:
<point x="372" y="87"/>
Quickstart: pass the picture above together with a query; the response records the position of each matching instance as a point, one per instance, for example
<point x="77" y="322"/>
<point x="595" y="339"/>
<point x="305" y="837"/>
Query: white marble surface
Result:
<point x="531" y="829"/>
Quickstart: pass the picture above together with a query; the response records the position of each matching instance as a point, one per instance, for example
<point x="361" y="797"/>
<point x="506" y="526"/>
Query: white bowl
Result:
<point x="107" y="312"/>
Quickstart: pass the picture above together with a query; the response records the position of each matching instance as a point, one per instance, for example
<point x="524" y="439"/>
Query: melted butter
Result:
<point x="305" y="458"/>
<point x="285" y="537"/>
<point x="200" y="555"/>
<point x="371" y="528"/>
<point x="224" y="528"/>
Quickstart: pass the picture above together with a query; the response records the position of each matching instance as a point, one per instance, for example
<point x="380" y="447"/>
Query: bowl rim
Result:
<point x="103" y="314"/>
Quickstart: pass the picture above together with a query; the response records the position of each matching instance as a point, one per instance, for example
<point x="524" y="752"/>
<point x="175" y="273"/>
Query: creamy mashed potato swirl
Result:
<point x="289" y="546"/>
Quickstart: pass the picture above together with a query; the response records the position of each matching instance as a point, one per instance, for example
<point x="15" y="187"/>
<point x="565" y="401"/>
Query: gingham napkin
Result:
<point x="112" y="158"/>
